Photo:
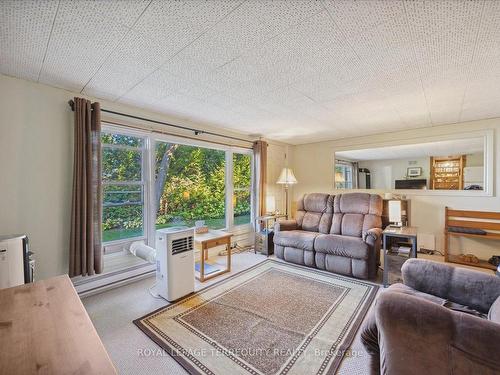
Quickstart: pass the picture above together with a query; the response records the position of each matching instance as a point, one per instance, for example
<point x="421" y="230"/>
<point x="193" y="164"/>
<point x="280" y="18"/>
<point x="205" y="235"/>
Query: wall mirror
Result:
<point x="444" y="165"/>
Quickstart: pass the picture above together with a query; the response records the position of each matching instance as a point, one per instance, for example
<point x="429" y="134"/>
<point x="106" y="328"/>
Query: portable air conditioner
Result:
<point x="174" y="262"/>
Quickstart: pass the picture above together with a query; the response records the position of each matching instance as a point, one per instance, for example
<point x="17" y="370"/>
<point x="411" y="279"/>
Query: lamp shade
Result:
<point x="395" y="211"/>
<point x="287" y="177"/>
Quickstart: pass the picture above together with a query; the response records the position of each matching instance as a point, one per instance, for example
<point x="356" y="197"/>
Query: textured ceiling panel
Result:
<point x="24" y="33"/>
<point x="445" y="32"/>
<point x="84" y="34"/>
<point x="297" y="71"/>
<point x="165" y="29"/>
<point x="355" y="17"/>
<point x="135" y="58"/>
<point x="170" y="19"/>
<point x="156" y="87"/>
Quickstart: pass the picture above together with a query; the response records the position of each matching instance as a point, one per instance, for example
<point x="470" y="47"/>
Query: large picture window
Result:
<point x="151" y="183"/>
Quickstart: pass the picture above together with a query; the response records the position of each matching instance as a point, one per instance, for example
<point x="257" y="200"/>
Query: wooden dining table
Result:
<point x="44" y="329"/>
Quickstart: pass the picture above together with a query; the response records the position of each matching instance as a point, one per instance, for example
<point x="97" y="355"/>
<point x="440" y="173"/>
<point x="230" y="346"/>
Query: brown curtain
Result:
<point x="85" y="257"/>
<point x="260" y="153"/>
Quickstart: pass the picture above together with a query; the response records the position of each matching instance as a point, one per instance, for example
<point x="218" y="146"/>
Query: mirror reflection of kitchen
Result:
<point x="441" y="165"/>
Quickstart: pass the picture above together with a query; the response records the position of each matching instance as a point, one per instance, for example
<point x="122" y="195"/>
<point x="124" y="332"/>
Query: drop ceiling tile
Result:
<point x="157" y="86"/>
<point x="81" y="39"/>
<point x="480" y="109"/>
<point x="444" y="93"/>
<point x="135" y="58"/>
<point x="238" y="71"/>
<point x="354" y="17"/>
<point x="229" y="38"/>
<point x="289" y="13"/>
<point x="223" y="101"/>
<point x="379" y="40"/>
<point x="24" y="33"/>
<point x="315" y="83"/>
<point x="408" y="99"/>
<point x="118" y="11"/>
<point x="486" y="59"/>
<point x="444" y="32"/>
<point x="297" y="44"/>
<point x="183" y="20"/>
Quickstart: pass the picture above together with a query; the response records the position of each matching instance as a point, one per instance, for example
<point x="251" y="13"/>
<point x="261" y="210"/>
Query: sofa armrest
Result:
<point x="421" y="337"/>
<point x="467" y="287"/>
<point x="372" y="236"/>
<point x="283" y="225"/>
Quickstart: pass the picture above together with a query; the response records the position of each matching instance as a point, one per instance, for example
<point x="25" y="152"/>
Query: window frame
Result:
<point x="251" y="188"/>
<point x="344" y="164"/>
<point x="144" y="183"/>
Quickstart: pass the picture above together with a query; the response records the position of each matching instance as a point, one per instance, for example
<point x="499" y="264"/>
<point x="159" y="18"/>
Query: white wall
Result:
<point x="36" y="146"/>
<point x="313" y="166"/>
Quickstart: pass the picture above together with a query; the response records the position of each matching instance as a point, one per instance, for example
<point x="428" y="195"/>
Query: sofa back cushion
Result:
<point x="356" y="213"/>
<point x="314" y="212"/>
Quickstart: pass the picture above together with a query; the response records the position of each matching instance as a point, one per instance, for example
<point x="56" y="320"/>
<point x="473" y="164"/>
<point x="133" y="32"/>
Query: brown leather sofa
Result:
<point x="442" y="320"/>
<point x="338" y="233"/>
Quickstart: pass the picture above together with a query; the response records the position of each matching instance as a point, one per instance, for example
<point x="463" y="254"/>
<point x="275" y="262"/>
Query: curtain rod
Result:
<point x="196" y="131"/>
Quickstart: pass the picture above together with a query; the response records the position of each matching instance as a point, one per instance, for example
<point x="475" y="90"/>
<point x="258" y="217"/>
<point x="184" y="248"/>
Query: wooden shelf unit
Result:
<point x="455" y="218"/>
<point x="447" y="172"/>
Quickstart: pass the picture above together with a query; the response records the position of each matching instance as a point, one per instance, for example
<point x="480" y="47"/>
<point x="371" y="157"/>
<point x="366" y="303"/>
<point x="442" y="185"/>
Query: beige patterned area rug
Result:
<point x="273" y="318"/>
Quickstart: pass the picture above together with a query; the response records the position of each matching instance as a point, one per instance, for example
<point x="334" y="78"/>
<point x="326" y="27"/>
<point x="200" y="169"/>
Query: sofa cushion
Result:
<point x="311" y="220"/>
<point x="316" y="202"/>
<point x="356" y="213"/>
<point x="494" y="313"/>
<point x="350" y="247"/>
<point x="354" y="203"/>
<point x="352" y="225"/>
<point x="299" y="239"/>
<point x="314" y="212"/>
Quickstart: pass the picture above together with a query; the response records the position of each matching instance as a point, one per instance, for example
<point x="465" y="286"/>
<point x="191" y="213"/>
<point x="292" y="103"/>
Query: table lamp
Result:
<point x="395" y="213"/>
<point x="270" y="204"/>
<point x="286" y="178"/>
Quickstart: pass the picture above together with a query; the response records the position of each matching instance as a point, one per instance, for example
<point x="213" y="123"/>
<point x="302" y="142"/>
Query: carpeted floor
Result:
<point x="132" y="352"/>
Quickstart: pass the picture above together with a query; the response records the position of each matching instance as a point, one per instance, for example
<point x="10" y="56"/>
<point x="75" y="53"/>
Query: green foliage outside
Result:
<point x="194" y="187"/>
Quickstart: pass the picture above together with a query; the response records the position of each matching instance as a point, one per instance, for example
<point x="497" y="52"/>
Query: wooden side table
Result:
<point x="206" y="241"/>
<point x="393" y="261"/>
<point x="264" y="233"/>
